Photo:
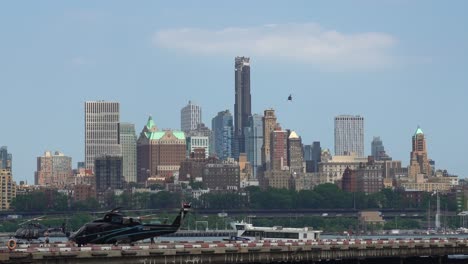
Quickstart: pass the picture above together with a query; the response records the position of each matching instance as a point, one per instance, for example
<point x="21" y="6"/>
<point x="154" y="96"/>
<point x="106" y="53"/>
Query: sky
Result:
<point x="400" y="64"/>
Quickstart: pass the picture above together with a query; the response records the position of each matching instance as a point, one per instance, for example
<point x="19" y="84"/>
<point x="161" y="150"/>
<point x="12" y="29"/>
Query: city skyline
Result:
<point x="70" y="54"/>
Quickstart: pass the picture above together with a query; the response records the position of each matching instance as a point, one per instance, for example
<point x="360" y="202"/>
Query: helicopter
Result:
<point x="116" y="228"/>
<point x="32" y="229"/>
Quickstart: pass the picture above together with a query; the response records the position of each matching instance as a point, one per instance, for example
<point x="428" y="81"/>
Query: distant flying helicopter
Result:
<point x="116" y="228"/>
<point x="290" y="98"/>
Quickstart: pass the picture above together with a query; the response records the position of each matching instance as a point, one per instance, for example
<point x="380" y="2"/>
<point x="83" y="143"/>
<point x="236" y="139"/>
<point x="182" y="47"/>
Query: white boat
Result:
<point x="248" y="231"/>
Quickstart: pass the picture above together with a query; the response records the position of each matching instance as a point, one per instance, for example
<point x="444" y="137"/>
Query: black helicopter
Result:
<point x="115" y="228"/>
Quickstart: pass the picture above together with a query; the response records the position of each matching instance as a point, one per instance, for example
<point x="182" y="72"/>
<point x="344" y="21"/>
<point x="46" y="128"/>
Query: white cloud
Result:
<point x="307" y="43"/>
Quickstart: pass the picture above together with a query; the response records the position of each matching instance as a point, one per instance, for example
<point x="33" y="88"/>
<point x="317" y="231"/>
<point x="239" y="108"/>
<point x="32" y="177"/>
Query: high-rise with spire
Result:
<point x="419" y="163"/>
<point x="242" y="105"/>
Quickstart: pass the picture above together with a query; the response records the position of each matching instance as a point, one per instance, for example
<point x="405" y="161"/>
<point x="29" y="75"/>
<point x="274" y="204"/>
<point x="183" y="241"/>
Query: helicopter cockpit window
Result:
<point x="117" y="219"/>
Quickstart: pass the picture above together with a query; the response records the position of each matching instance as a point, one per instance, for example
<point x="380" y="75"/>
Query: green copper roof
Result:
<point x="179" y="134"/>
<point x="418" y="131"/>
<point x="150" y="124"/>
<point x="156" y="135"/>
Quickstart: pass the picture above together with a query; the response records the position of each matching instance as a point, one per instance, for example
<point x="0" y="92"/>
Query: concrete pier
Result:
<point x="324" y="251"/>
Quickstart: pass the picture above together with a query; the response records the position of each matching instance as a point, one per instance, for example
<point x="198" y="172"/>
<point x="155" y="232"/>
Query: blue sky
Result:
<point x="398" y="63"/>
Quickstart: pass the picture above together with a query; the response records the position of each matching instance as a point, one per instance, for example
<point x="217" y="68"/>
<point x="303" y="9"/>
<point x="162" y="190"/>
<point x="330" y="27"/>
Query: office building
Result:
<point x="312" y="156"/>
<point x="5" y="158"/>
<point x="53" y="169"/>
<point x="279" y="149"/>
<point x="190" y="117"/>
<point x="222" y="128"/>
<point x="102" y="129"/>
<point x="378" y="150"/>
<point x="203" y="131"/>
<point x="242" y="105"/>
<point x="198" y="142"/>
<point x="349" y="135"/>
<point x="159" y="153"/>
<point x="128" y="142"/>
<point x="223" y="175"/>
<point x="8" y="187"/>
<point x="295" y="154"/>
<point x="108" y="173"/>
<point x="419" y="163"/>
<point x="253" y="142"/>
<point x="269" y="125"/>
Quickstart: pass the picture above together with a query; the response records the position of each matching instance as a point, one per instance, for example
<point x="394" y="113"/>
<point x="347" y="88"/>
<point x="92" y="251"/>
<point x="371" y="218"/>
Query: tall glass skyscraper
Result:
<point x="128" y="142"/>
<point x="190" y="117"/>
<point x="242" y="105"/>
<point x="349" y="135"/>
<point x="254" y="141"/>
<point x="222" y="128"/>
<point x="102" y="129"/>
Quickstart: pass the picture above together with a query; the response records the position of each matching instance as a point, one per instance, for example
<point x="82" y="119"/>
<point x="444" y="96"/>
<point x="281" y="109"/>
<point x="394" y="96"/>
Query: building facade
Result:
<point x="222" y="176"/>
<point x="128" y="142"/>
<point x="312" y="156"/>
<point x="5" y="158"/>
<point x="190" y="117"/>
<point x="279" y="149"/>
<point x="333" y="169"/>
<point x="349" y="135"/>
<point x="203" y="131"/>
<point x="378" y="150"/>
<point x="53" y="169"/>
<point x="198" y="142"/>
<point x="253" y="142"/>
<point x="108" y="173"/>
<point x="295" y="154"/>
<point x="159" y="153"/>
<point x="222" y="134"/>
<point x="242" y="105"/>
<point x="102" y="129"/>
<point x="419" y="162"/>
<point x="269" y="125"/>
<point x="8" y="187"/>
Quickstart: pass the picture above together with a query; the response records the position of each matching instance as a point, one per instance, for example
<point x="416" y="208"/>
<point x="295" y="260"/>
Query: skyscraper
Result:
<point x="378" y="150"/>
<point x="222" y="128"/>
<point x="190" y="117"/>
<point x="279" y="149"/>
<point x="53" y="169"/>
<point x="254" y="141"/>
<point x="5" y="158"/>
<point x="419" y="163"/>
<point x="295" y="154"/>
<point x="102" y="129"/>
<point x="349" y="135"/>
<point x="269" y="125"/>
<point x="242" y="105"/>
<point x="128" y="141"/>
<point x="312" y="156"/>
